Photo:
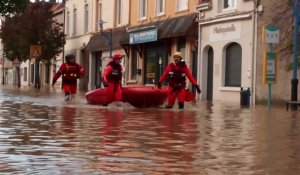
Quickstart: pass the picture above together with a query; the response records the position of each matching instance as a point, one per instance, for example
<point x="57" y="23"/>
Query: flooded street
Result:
<point x="41" y="134"/>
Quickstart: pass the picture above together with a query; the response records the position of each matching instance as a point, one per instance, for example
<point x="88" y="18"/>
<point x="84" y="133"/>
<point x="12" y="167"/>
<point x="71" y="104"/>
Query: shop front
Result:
<point x="98" y="54"/>
<point x="155" y="42"/>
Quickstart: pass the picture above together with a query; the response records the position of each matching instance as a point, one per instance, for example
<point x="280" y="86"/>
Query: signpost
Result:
<point x="270" y="36"/>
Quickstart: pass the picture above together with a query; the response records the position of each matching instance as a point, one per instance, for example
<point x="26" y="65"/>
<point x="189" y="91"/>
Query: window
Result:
<point x="74" y="21"/>
<point x="99" y="14"/>
<point x="142" y="9"/>
<point x="233" y="65"/>
<point x="160" y="7"/>
<point x="86" y="18"/>
<point x="134" y="64"/>
<point x="182" y="5"/>
<point x="118" y="12"/>
<point x="68" y="24"/>
<point x="32" y="73"/>
<point x="229" y="4"/>
<point x="25" y="74"/>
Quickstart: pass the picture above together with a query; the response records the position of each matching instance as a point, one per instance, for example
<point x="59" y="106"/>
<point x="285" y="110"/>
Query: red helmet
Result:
<point x="117" y="57"/>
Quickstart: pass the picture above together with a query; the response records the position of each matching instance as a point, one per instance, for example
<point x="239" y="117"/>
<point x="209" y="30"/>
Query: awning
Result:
<point x="166" y="28"/>
<point x="100" y="43"/>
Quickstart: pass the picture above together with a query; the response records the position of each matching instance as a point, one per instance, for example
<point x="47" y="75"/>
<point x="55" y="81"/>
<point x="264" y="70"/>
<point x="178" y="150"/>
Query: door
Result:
<point x="210" y="72"/>
<point x="98" y="70"/>
<point x="155" y="63"/>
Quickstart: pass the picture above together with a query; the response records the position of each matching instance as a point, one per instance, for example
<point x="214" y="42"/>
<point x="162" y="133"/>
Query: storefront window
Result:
<point x="133" y="65"/>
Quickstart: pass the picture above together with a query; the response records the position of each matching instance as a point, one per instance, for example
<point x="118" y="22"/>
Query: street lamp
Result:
<point x="294" y="93"/>
<point x="108" y="36"/>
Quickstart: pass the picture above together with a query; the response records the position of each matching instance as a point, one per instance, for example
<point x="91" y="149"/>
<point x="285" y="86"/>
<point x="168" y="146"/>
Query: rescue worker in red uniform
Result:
<point x="70" y="72"/>
<point x="111" y="79"/>
<point x="177" y="74"/>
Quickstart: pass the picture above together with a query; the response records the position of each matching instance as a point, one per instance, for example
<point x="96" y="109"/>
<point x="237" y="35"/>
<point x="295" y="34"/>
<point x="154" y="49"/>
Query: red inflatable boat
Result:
<point x="138" y="96"/>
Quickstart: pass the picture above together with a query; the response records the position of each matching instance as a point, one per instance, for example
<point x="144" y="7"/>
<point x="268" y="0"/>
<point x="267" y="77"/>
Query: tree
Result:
<point x="34" y="26"/>
<point x="283" y="19"/>
<point x="12" y="6"/>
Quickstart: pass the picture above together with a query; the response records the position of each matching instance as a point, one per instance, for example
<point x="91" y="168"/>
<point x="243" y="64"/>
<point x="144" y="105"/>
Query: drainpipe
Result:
<point x="254" y="54"/>
<point x="199" y="63"/>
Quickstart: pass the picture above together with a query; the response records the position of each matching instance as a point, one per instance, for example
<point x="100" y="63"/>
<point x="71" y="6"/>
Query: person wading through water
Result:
<point x="177" y="74"/>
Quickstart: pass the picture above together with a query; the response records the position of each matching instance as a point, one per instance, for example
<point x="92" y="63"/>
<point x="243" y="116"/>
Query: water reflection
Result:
<point x="218" y="138"/>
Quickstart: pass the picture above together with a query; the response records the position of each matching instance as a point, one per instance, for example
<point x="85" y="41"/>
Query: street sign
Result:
<point x="35" y="51"/>
<point x="270" y="34"/>
<point x="269" y="67"/>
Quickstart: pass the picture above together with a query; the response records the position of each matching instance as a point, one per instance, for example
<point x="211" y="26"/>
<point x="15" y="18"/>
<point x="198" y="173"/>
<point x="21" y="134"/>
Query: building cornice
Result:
<point x="228" y="17"/>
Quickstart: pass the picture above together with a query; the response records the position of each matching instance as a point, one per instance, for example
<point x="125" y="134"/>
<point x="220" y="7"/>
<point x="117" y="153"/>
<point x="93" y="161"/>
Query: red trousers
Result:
<point x="114" y="92"/>
<point x="180" y="94"/>
<point x="70" y="88"/>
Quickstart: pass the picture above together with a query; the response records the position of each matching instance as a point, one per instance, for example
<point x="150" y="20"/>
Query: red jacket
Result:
<point x="70" y="73"/>
<point x="177" y="74"/>
<point x="113" y="73"/>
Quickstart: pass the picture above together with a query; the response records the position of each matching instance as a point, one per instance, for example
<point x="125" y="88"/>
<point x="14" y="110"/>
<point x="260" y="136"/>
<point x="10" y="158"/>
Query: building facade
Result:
<point x="110" y="21"/>
<point x="79" y="25"/>
<point x="227" y="49"/>
<point x="157" y="29"/>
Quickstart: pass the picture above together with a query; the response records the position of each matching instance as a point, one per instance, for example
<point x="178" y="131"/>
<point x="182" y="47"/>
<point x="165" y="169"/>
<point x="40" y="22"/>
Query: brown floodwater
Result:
<point x="41" y="134"/>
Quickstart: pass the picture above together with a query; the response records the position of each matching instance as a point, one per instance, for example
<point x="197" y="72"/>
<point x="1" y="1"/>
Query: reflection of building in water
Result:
<point x="178" y="136"/>
<point x="228" y="138"/>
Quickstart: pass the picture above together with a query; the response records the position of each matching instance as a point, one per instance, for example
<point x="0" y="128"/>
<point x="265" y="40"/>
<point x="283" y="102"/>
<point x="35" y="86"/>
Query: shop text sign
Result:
<point x="143" y="36"/>
<point x="269" y="67"/>
<point x="225" y="32"/>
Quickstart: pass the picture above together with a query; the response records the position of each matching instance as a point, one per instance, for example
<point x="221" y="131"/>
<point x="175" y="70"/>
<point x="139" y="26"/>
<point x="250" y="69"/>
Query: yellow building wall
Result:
<point x="170" y="11"/>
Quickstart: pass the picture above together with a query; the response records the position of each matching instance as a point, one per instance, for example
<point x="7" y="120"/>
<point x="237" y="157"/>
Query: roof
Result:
<point x="57" y="7"/>
<point x="167" y="28"/>
<point x="99" y="42"/>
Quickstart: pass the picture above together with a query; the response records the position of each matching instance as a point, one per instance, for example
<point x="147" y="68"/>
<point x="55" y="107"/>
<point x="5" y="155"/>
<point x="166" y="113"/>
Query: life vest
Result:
<point x="71" y="73"/>
<point x="116" y="73"/>
<point x="177" y="75"/>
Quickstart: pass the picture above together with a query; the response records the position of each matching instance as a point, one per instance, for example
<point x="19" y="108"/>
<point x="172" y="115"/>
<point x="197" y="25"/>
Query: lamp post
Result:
<point x="294" y="93"/>
<point x="108" y="36"/>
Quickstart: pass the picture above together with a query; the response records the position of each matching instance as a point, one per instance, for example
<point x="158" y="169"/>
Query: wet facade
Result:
<point x="227" y="49"/>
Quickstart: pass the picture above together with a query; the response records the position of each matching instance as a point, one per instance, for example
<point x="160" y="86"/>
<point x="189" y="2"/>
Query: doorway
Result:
<point x="155" y="63"/>
<point x="210" y="74"/>
<point x="98" y="70"/>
